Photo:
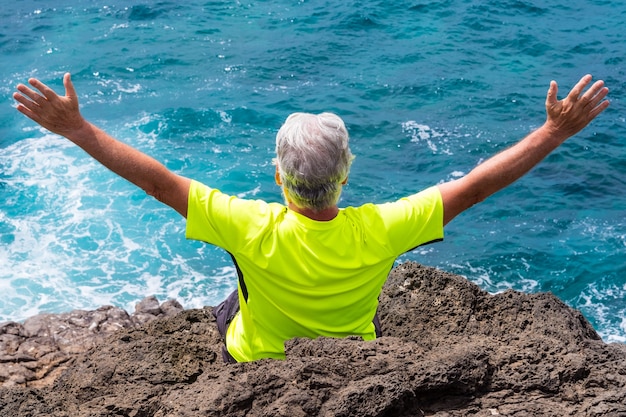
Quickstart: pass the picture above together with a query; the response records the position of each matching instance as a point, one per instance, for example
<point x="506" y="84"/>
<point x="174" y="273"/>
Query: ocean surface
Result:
<point x="427" y="90"/>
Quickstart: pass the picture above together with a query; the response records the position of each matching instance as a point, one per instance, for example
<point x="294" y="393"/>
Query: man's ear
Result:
<point x="277" y="177"/>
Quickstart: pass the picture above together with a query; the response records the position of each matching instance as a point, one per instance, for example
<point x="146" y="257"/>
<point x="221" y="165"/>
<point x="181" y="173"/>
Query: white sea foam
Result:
<point x="620" y="338"/>
<point x="495" y="282"/>
<point x="250" y="193"/>
<point x="423" y="133"/>
<point x="603" y="303"/>
<point x="87" y="238"/>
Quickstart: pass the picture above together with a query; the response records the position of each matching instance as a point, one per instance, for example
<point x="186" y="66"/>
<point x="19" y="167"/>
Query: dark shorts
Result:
<point x="225" y="313"/>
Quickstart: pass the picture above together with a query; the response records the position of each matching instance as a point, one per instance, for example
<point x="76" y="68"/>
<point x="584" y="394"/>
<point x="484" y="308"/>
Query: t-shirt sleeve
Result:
<point x="220" y="219"/>
<point x="414" y="220"/>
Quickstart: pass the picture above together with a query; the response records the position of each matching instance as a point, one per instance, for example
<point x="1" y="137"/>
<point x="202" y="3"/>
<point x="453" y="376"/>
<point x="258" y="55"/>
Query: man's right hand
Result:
<point x="569" y="116"/>
<point x="564" y="119"/>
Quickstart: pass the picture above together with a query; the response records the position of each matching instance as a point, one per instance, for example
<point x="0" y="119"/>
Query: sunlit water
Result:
<point x="427" y="90"/>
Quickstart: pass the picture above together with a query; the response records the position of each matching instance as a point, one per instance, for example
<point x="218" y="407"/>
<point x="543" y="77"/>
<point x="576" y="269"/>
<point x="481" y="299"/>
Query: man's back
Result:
<point x="307" y="278"/>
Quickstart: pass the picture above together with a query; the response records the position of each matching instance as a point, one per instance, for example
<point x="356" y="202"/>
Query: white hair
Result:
<point x="313" y="159"/>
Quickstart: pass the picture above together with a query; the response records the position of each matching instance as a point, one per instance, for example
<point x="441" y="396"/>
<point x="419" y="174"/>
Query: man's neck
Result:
<point x="320" y="216"/>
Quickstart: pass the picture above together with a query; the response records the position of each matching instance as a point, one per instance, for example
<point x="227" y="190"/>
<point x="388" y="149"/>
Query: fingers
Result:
<point x="579" y="87"/>
<point x="69" y="87"/>
<point x="596" y="93"/>
<point x="593" y="100"/>
<point x="46" y="91"/>
<point x="32" y="100"/>
<point x="552" y="93"/>
<point x="25" y="107"/>
<point x="36" y="99"/>
<point x="599" y="108"/>
<point x="25" y="91"/>
<point x="33" y="104"/>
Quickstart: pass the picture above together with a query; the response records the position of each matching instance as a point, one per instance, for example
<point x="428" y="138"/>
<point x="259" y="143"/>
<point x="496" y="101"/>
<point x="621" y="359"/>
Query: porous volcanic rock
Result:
<point x="36" y="351"/>
<point x="448" y="349"/>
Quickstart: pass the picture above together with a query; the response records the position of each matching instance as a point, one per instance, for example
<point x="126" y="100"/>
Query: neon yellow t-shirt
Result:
<point x="306" y="278"/>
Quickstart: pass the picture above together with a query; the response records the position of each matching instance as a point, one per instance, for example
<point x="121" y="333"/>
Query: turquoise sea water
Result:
<point x="427" y="90"/>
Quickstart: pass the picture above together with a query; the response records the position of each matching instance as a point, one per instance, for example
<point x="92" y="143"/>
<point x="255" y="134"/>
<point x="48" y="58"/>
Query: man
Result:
<point x="308" y="268"/>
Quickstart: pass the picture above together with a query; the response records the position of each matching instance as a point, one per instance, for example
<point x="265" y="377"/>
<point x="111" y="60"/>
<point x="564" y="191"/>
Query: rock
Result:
<point x="149" y="305"/>
<point x="449" y="349"/>
<point x="51" y="340"/>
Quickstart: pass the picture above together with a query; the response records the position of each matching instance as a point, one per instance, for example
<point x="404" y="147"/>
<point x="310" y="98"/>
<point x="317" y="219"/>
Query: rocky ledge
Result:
<point x="449" y="349"/>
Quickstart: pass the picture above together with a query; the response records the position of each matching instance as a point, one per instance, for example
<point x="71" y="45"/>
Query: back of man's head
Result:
<point x="313" y="159"/>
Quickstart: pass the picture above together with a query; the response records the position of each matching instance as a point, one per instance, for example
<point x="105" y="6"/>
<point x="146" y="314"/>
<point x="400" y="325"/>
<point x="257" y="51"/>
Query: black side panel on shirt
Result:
<point x="423" y="244"/>
<point x="242" y="283"/>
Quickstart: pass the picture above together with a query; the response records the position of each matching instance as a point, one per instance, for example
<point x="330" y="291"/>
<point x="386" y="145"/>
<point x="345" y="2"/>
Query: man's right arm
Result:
<point x="61" y="115"/>
<point x="564" y="119"/>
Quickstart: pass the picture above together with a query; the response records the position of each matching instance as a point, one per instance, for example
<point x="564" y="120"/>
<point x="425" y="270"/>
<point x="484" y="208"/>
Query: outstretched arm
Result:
<point x="61" y="115"/>
<point x="565" y="118"/>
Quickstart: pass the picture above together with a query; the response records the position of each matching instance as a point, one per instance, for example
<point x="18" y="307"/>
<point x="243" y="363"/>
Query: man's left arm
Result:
<point x="61" y="115"/>
<point x="565" y="118"/>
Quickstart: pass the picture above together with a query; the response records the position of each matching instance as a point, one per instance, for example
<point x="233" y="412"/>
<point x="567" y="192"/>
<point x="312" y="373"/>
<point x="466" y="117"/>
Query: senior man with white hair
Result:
<point x="308" y="268"/>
